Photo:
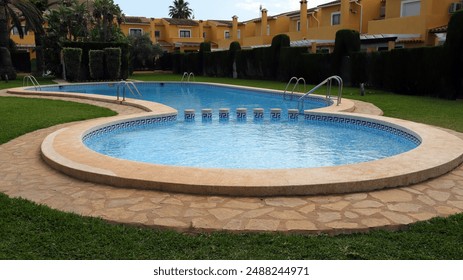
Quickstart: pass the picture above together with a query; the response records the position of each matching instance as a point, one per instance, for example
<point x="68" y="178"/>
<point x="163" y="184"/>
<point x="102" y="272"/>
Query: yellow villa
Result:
<point x="383" y="25"/>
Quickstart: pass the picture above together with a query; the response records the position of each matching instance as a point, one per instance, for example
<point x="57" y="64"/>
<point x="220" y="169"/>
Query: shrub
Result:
<point x="278" y="42"/>
<point x="96" y="64"/>
<point x="87" y="46"/>
<point x="72" y="61"/>
<point x="346" y="42"/>
<point x="454" y="53"/>
<point x="113" y="63"/>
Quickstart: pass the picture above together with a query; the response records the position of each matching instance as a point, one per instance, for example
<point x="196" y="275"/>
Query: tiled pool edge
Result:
<point x="244" y="182"/>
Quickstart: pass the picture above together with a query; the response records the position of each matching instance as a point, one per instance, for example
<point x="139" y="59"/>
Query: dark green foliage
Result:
<point x="96" y="64"/>
<point x="164" y="62"/>
<point x="205" y="47"/>
<point x="290" y="63"/>
<point x="234" y="47"/>
<point x="177" y="63"/>
<point x="454" y="53"/>
<point x="217" y="64"/>
<point x="113" y="63"/>
<point x="418" y="71"/>
<point x="143" y="52"/>
<point x="72" y="62"/>
<point x="87" y="46"/>
<point x="346" y="42"/>
<point x="278" y="43"/>
<point x="315" y="67"/>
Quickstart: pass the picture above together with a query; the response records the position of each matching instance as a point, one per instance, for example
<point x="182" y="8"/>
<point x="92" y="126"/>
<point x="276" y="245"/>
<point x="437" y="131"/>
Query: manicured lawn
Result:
<point x="30" y="231"/>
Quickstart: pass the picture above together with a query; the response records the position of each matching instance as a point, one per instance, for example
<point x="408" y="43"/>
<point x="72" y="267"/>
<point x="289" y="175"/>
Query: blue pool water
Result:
<point x="240" y="144"/>
<point x="197" y="96"/>
<point x="250" y="144"/>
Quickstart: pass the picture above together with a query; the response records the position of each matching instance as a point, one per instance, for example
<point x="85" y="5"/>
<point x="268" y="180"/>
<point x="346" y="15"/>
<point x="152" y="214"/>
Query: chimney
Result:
<point x="234" y="33"/>
<point x="264" y="23"/>
<point x="345" y="13"/>
<point x="303" y="17"/>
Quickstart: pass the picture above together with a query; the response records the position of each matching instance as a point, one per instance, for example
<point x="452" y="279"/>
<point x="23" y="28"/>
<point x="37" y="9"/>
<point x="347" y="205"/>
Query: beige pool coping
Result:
<point x="309" y="214"/>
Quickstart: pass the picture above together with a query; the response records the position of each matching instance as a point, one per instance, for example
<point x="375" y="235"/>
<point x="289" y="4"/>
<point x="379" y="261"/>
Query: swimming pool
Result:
<point x="199" y="96"/>
<point x="254" y="144"/>
<point x="438" y="152"/>
<point x="240" y="143"/>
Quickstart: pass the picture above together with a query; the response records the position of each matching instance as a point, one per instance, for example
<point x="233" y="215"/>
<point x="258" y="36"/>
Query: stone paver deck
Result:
<point x="24" y="174"/>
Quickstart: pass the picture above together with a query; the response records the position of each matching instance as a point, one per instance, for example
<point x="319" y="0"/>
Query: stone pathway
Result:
<point x="24" y="174"/>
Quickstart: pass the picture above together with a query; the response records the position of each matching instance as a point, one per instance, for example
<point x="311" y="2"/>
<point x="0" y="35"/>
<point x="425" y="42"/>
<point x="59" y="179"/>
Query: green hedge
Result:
<point x="290" y="64"/>
<point x="113" y="63"/>
<point x="96" y="64"/>
<point x="87" y="46"/>
<point x="418" y="71"/>
<point x="72" y="62"/>
<point x="454" y="53"/>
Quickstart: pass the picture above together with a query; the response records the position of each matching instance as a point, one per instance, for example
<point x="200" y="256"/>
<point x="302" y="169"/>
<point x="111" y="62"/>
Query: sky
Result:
<point x="214" y="9"/>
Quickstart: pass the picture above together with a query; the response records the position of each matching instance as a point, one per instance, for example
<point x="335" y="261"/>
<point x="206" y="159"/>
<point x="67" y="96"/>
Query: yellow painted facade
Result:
<point x="313" y="27"/>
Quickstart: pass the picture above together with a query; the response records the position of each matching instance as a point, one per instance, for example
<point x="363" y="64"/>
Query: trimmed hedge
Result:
<point x="87" y="46"/>
<point x="96" y="64"/>
<point x="454" y="53"/>
<point x="113" y="63"/>
<point x="418" y="71"/>
<point x="72" y="62"/>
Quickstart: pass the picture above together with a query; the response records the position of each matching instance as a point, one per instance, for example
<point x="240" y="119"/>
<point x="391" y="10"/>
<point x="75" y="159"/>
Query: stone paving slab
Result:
<point x="24" y="174"/>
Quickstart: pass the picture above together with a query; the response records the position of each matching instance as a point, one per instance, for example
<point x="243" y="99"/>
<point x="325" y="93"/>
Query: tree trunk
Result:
<point x="39" y="54"/>
<point x="7" y="71"/>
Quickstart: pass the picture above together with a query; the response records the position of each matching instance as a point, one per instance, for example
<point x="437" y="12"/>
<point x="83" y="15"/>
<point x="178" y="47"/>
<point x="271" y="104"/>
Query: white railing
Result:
<point x="187" y="77"/>
<point x="32" y="80"/>
<point x="127" y="85"/>
<point x="298" y="80"/>
<point x="329" y="83"/>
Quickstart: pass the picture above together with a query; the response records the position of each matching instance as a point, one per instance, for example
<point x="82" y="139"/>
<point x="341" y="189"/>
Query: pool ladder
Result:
<point x="329" y="84"/>
<point x="187" y="77"/>
<point x="285" y="94"/>
<point x="32" y="80"/>
<point x="127" y="85"/>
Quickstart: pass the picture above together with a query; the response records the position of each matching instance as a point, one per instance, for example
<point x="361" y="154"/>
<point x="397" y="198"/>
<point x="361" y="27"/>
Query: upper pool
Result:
<point x="199" y="96"/>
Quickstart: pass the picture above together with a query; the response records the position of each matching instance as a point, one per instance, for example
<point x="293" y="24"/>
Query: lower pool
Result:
<point x="251" y="144"/>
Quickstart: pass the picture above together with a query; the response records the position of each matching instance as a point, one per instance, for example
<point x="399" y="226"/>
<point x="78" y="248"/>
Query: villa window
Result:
<point x="336" y="18"/>
<point x="185" y="33"/>
<point x="15" y="30"/>
<point x="204" y="35"/>
<point x="239" y="34"/>
<point x="268" y="30"/>
<point x="410" y="8"/>
<point x="135" y="32"/>
<point x="298" y="26"/>
<point x="157" y="34"/>
<point x="227" y="34"/>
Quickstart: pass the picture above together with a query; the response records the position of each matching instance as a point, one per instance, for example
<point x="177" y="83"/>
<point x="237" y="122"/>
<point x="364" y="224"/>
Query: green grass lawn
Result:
<point x="30" y="231"/>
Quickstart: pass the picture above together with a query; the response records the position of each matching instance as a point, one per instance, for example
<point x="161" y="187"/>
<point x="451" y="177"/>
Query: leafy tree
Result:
<point x="70" y="21"/>
<point x="12" y="12"/>
<point x="180" y="9"/>
<point x="108" y="16"/>
<point x="143" y="51"/>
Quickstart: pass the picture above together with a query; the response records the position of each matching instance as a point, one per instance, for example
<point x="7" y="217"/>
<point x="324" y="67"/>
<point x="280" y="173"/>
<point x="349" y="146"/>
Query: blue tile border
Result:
<point x="364" y="124"/>
<point x="129" y="125"/>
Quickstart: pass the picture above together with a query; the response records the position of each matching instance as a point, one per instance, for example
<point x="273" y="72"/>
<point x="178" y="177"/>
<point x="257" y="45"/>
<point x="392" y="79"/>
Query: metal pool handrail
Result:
<point x="294" y="88"/>
<point x="188" y="76"/>
<point x="329" y="83"/>
<point x="33" y="81"/>
<point x="130" y="86"/>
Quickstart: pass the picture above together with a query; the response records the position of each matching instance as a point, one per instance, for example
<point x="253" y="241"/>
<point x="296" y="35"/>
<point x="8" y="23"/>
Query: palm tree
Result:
<point x="12" y="12"/>
<point x="180" y="9"/>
